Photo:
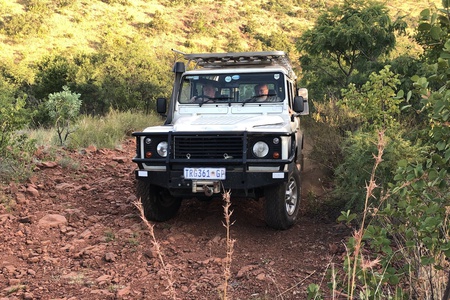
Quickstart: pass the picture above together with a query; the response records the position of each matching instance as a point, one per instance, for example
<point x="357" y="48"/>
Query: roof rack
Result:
<point x="214" y="60"/>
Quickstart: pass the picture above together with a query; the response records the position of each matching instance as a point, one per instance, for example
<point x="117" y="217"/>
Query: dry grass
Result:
<point x="168" y="274"/>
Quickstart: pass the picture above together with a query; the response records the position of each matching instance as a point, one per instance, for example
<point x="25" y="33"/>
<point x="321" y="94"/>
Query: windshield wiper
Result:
<point x="255" y="98"/>
<point x="216" y="99"/>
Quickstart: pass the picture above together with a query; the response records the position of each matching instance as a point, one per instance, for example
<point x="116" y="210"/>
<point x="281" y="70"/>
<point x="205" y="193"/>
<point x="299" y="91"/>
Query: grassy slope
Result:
<point x="202" y="25"/>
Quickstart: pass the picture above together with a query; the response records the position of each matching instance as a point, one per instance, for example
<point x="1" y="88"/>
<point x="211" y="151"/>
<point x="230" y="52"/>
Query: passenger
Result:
<point x="262" y="94"/>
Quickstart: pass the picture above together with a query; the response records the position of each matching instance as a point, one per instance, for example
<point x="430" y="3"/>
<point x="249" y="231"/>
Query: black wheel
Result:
<point x="282" y="202"/>
<point x="157" y="202"/>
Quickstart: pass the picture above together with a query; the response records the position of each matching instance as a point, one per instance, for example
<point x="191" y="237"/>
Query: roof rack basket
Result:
<point x="215" y="60"/>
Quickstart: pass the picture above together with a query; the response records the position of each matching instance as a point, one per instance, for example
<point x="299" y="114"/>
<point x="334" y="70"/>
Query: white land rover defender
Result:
<point x="232" y="124"/>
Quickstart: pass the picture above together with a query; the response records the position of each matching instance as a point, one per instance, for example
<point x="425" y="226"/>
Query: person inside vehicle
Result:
<point x="208" y="92"/>
<point x="262" y="94"/>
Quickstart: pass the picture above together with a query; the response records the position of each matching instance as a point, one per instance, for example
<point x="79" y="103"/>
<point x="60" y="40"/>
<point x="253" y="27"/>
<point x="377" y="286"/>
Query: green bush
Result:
<point x="63" y="108"/>
<point x="15" y="148"/>
<point x="158" y="22"/>
<point x="353" y="173"/>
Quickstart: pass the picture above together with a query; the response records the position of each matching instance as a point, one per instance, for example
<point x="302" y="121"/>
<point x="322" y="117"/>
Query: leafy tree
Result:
<point x="63" y="108"/>
<point x="130" y="75"/>
<point x="346" y="44"/>
<point x="53" y="72"/>
<point x="376" y="104"/>
<point x="88" y="83"/>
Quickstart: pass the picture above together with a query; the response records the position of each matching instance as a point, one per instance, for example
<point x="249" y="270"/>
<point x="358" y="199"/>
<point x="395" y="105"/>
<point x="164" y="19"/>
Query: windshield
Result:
<point x="232" y="88"/>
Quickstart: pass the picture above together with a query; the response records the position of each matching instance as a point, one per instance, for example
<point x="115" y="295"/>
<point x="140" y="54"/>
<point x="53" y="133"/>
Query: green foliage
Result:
<point x="347" y="41"/>
<point x="130" y="75"/>
<point x="53" y="72"/>
<point x="354" y="171"/>
<point x="199" y="22"/>
<point x="158" y="22"/>
<point x="275" y="42"/>
<point x="347" y="217"/>
<point x="63" y="108"/>
<point x="15" y="148"/>
<point x="313" y="292"/>
<point x="376" y="104"/>
<point x="409" y="228"/>
<point x="13" y="115"/>
<point x="21" y="25"/>
<point x="434" y="31"/>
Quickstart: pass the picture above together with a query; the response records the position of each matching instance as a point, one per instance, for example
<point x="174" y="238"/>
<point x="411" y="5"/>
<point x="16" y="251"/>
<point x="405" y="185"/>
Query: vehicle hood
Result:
<point x="230" y="122"/>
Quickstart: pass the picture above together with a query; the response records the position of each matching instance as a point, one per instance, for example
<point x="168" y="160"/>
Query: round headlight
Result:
<point x="260" y="149"/>
<point x="162" y="149"/>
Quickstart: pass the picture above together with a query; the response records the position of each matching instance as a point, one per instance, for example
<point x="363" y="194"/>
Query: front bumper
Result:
<point x="241" y="183"/>
<point x="229" y="150"/>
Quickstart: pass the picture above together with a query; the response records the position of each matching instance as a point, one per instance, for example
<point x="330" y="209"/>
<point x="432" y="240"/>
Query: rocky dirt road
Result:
<point x="74" y="233"/>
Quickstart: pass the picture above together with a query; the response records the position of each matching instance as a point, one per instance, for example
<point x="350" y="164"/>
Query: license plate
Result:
<point x="204" y="173"/>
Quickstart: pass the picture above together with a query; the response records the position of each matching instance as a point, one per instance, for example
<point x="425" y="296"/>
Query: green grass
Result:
<point x="109" y="131"/>
<point x="102" y="132"/>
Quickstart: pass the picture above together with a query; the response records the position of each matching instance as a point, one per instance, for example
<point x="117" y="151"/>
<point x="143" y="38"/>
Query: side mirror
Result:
<point x="161" y="106"/>
<point x="298" y="104"/>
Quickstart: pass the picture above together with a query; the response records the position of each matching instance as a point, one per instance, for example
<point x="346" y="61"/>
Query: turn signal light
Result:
<point x="276" y="155"/>
<point x="148" y="154"/>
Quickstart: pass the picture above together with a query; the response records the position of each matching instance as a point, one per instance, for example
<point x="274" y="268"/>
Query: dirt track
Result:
<point x="75" y="234"/>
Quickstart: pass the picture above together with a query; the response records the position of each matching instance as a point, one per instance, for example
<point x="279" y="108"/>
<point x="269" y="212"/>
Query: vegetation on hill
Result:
<point x="377" y="75"/>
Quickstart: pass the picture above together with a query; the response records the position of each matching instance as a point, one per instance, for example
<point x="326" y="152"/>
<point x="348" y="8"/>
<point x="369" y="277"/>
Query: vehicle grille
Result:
<point x="208" y="146"/>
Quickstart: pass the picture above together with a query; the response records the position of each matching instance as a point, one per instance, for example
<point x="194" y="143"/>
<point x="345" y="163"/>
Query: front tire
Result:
<point x="157" y="202"/>
<point x="282" y="202"/>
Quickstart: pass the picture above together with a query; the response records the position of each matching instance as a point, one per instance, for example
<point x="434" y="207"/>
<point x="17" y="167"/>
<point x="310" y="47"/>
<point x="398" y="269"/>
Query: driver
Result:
<point x="209" y="92"/>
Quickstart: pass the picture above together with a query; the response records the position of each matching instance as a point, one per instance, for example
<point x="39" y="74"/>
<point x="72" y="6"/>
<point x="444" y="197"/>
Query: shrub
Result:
<point x="158" y="22"/>
<point x="63" y="108"/>
<point x="15" y="147"/>
<point x="354" y="171"/>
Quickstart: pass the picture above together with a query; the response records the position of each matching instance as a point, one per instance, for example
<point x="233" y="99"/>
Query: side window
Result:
<point x="185" y="93"/>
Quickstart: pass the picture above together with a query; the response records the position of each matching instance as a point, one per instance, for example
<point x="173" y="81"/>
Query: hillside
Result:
<point x="31" y="29"/>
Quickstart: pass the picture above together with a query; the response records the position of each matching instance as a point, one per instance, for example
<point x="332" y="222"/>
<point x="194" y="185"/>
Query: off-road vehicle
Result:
<point x="232" y="124"/>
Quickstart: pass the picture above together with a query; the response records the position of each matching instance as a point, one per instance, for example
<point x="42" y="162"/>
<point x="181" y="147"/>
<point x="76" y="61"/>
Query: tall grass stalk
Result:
<point x="229" y="244"/>
<point x="359" y="234"/>
<point x="166" y="269"/>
